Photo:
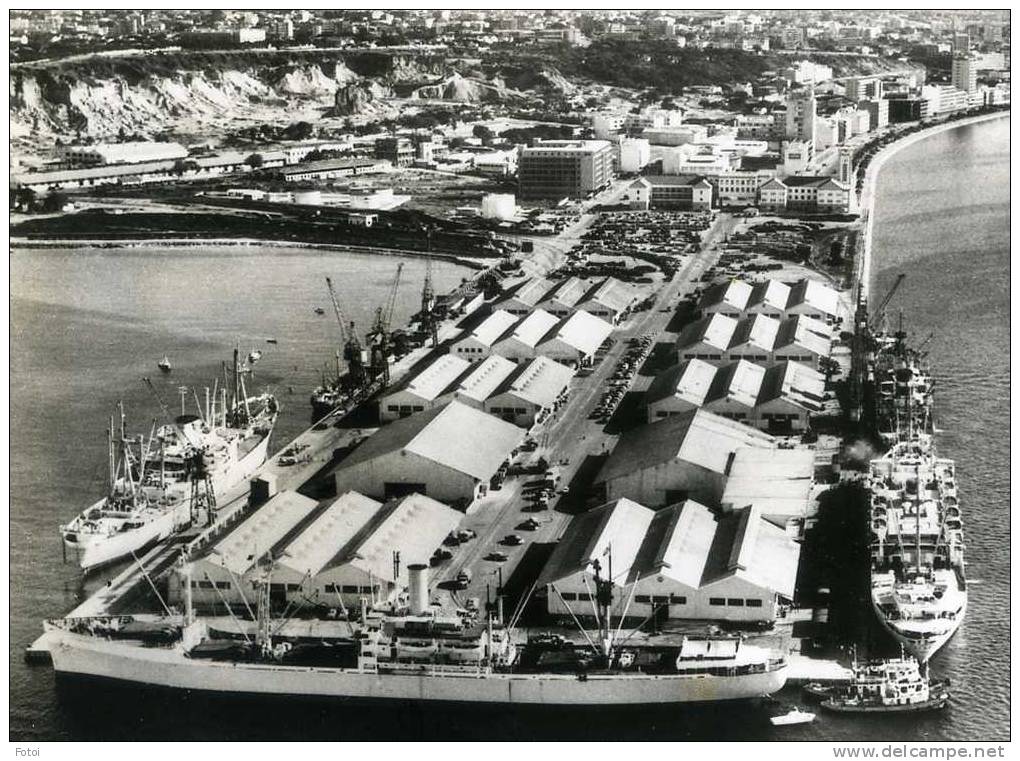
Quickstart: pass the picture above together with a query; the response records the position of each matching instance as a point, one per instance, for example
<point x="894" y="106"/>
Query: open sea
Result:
<point x="86" y="325"/>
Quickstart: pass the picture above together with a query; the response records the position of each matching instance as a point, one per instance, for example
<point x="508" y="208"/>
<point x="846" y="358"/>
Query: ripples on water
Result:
<point x="85" y="327"/>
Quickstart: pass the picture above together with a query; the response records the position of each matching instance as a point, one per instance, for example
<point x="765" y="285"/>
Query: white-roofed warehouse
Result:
<point x="433" y="386"/>
<point x="226" y="568"/>
<point x="680" y="562"/>
<point x="687" y="456"/>
<point x="347" y="552"/>
<point x="538" y="387"/>
<point x="477" y="343"/>
<point x="522" y="341"/>
<point x="576" y="339"/>
<point x="448" y="453"/>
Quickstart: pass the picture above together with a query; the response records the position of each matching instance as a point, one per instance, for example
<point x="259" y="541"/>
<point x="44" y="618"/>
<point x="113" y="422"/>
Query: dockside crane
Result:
<point x="379" y="337"/>
<point x="428" y="306"/>
<point x="878" y="316"/>
<point x="352" y="351"/>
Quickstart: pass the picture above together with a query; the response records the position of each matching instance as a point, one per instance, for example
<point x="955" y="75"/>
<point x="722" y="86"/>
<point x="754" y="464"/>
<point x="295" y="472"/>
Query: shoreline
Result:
<point x="128" y="243"/>
<point x="867" y="200"/>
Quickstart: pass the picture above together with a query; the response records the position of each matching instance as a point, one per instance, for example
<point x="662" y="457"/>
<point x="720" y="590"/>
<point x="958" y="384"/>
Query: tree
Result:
<point x="24" y="199"/>
<point x="54" y="201"/>
<point x="483" y="133"/>
<point x="254" y="161"/>
<point x="299" y="131"/>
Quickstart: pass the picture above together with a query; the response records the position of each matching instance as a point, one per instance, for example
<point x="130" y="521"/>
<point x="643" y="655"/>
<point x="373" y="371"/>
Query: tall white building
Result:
<point x="964" y="73"/>
<point x="801" y="113"/>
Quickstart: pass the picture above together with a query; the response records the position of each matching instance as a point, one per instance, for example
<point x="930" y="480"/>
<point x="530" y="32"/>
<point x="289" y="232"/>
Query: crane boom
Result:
<point x="393" y="298"/>
<point x="879" y="312"/>
<point x="159" y="399"/>
<point x="336" y="309"/>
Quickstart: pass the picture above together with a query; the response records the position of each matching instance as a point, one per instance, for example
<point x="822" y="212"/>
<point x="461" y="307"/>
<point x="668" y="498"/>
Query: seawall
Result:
<point x="866" y="203"/>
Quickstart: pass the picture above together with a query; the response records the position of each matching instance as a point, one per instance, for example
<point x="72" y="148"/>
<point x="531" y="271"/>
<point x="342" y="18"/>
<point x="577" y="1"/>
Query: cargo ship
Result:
<point x="418" y="652"/>
<point x="918" y="581"/>
<point x="157" y="485"/>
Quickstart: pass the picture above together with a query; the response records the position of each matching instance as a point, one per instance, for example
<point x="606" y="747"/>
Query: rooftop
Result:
<point x="716" y="330"/>
<point x="439" y="435"/>
<point x="240" y="549"/>
<point x="611" y="293"/>
<point x="738" y="382"/>
<point x="776" y="480"/>
<point x="493" y="327"/>
<point x="328" y="165"/>
<point x="486" y="377"/>
<point x="583" y="331"/>
<point x="689" y="381"/>
<point x="438" y="377"/>
<point x="534" y="327"/>
<point x="312" y="550"/>
<point x="530" y="292"/>
<point x="615" y="528"/>
<point x="541" y="381"/>
<point x="698" y="437"/>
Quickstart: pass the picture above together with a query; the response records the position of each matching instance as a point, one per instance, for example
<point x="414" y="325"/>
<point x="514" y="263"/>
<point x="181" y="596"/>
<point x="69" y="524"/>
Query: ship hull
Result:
<point x="102" y="551"/>
<point x="93" y="553"/>
<point x="90" y="657"/>
<point x="922" y="649"/>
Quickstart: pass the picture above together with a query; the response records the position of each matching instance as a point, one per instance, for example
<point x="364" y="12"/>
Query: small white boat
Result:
<point x="254" y="356"/>
<point x="164" y="364"/>
<point x="794" y="716"/>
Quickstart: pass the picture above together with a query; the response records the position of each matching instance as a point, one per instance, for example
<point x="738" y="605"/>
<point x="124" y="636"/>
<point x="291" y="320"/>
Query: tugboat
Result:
<point x="164" y="364"/>
<point x="791" y="717"/>
<point x="893" y="686"/>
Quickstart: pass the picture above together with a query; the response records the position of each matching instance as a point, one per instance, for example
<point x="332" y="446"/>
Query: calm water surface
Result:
<point x="87" y="325"/>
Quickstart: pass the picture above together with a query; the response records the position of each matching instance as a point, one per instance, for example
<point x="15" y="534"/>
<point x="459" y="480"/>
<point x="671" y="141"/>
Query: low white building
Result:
<point x="477" y="343"/>
<point x="501" y="206"/>
<point x="679" y="563"/>
<point x="575" y="339"/>
<point x="226" y="570"/>
<point x="134" y="152"/>
<point x="522" y="341"/>
<point x="434" y="385"/>
<point x="679" y="389"/>
<point x="776" y="481"/>
<point x="687" y="456"/>
<point x="563" y="299"/>
<point x="610" y="300"/>
<point x="449" y="453"/>
<point x="483" y="380"/>
<point x="526" y="296"/>
<point x="538" y="387"/>
<point x="361" y="548"/>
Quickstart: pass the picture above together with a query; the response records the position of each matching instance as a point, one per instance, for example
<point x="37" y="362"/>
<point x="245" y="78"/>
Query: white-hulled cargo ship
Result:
<point x="153" y="483"/>
<point x="918" y="583"/>
<point x="423" y="655"/>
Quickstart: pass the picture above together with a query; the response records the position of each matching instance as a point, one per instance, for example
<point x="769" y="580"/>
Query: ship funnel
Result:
<point x="418" y="586"/>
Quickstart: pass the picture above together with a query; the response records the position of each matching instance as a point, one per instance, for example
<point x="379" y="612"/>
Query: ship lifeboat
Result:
<point x="878" y="524"/>
<point x="464" y="652"/>
<point x="878" y="511"/>
<point x="416" y="649"/>
<point x="954" y="524"/>
<point x="952" y="511"/>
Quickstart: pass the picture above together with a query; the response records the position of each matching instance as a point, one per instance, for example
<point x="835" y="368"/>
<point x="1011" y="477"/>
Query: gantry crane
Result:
<point x="878" y="315"/>
<point x="352" y="351"/>
<point x="379" y="337"/>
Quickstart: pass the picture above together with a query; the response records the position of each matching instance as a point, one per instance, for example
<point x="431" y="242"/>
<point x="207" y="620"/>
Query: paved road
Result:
<point x="570" y="435"/>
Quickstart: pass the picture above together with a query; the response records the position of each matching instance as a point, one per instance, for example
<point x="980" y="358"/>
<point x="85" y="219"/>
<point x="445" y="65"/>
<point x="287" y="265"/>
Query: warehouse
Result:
<point x="576" y="339"/>
<point x="522" y="341"/>
<point x="729" y="299"/>
<point x="539" y="387"/>
<point x="802" y="339"/>
<point x="769" y="298"/>
<point x="679" y="389"/>
<point x="776" y="481"/>
<point x="226" y="571"/>
<point x="611" y="300"/>
<point x="779" y="399"/>
<point x="526" y="296"/>
<point x="433" y="386"/>
<point x="814" y="299"/>
<point x="360" y="548"/>
<point x="330" y="169"/>
<point x="754" y="339"/>
<point x="708" y="339"/>
<point x="430" y="453"/>
<point x="613" y="531"/>
<point x="482" y="382"/>
<point x="564" y="298"/>
<point x="790" y="394"/>
<point x="695" y="565"/>
<point x="682" y="562"/>
<point x="478" y="343"/>
<point x="134" y="152"/>
<point x="687" y="456"/>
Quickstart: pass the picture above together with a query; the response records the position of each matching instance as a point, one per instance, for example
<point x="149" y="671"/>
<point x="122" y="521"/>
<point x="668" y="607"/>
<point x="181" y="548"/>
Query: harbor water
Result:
<point x="87" y="325"/>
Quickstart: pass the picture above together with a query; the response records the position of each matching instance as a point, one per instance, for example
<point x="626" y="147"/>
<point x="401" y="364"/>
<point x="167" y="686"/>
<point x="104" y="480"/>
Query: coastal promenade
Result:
<point x="866" y="202"/>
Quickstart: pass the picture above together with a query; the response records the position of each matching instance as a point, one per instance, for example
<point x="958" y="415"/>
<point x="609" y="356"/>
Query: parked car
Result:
<point x="496" y="557"/>
<point x="511" y="540"/>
